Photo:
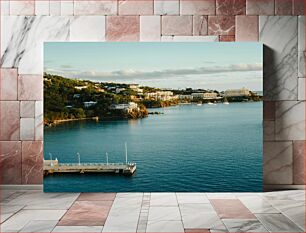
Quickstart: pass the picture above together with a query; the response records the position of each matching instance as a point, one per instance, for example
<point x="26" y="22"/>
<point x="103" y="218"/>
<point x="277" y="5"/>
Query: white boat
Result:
<point x="199" y="104"/>
<point x="209" y="103"/>
<point x="226" y="103"/>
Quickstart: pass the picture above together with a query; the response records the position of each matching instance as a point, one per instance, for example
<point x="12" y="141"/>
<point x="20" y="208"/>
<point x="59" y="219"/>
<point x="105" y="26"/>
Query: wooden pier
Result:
<point x="53" y="166"/>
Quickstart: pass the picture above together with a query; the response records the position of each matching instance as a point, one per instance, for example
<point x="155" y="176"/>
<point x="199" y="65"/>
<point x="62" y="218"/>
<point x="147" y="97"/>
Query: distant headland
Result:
<point x="72" y="99"/>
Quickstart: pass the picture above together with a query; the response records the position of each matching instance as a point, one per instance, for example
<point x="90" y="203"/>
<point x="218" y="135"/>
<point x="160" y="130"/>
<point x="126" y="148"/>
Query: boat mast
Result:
<point x="79" y="158"/>
<point x="51" y="159"/>
<point x="126" y="156"/>
<point x="106" y="158"/>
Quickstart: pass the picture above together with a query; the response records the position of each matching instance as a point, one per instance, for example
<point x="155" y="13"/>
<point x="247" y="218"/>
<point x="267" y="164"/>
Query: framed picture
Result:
<point x="153" y="117"/>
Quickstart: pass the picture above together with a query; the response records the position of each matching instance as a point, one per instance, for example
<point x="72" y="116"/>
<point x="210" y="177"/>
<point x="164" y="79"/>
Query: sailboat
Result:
<point x="130" y="167"/>
<point x="225" y="101"/>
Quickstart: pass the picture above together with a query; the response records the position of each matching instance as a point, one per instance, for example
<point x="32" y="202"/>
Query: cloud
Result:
<point x="66" y="66"/>
<point x="123" y="75"/>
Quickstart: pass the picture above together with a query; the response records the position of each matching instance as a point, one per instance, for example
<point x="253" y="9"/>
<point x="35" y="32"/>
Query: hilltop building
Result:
<point x="134" y="86"/>
<point x="237" y="92"/>
<point x="126" y="107"/>
<point x="206" y="95"/>
<point x="210" y="95"/>
<point x="119" y="90"/>
<point x="89" y="104"/>
<point x="80" y="87"/>
<point x="160" y="95"/>
<point x="197" y="95"/>
<point x="185" y="97"/>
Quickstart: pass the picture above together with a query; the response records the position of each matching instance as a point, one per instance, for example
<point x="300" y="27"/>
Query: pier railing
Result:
<point x="125" y="168"/>
<point x="94" y="164"/>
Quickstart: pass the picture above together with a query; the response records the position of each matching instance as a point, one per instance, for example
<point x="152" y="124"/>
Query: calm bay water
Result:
<point x="189" y="148"/>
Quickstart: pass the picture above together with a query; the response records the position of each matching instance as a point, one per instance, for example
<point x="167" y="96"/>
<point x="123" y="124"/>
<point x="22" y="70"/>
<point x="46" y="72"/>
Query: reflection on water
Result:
<point x="188" y="148"/>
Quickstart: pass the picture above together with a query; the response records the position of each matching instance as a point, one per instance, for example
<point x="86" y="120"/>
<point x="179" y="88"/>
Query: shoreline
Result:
<point x="57" y="122"/>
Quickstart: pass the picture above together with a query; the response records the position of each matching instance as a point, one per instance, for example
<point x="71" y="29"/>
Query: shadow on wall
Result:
<point x="280" y="83"/>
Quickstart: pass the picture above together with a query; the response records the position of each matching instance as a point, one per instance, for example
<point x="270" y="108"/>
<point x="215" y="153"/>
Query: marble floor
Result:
<point x="35" y="211"/>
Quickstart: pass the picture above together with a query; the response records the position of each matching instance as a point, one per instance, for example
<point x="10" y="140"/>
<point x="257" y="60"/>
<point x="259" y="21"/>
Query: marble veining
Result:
<point x="27" y="109"/>
<point x="177" y="25"/>
<point x="279" y="35"/>
<point x="298" y="7"/>
<point x="166" y="7"/>
<point x="10" y="162"/>
<point x="30" y="87"/>
<point x="277" y="223"/>
<point x="36" y="200"/>
<point x="9" y="120"/>
<point x="278" y="163"/>
<point x="246" y="28"/>
<point x="206" y="217"/>
<point x="135" y="7"/>
<point x="24" y="7"/>
<point x="238" y="225"/>
<point x="230" y="7"/>
<point x="283" y="7"/>
<point x="39" y="226"/>
<point x="39" y="120"/>
<point x="8" y="84"/>
<point x="200" y="25"/>
<point x="299" y="162"/>
<point x="124" y="215"/>
<point x="33" y="211"/>
<point x="87" y="28"/>
<point x="27" y="129"/>
<point x="192" y="7"/>
<point x="122" y="28"/>
<point x="8" y="210"/>
<point x="105" y="7"/>
<point x="290" y="120"/>
<point x="294" y="210"/>
<point x="269" y="130"/>
<point x="301" y="89"/>
<point x="260" y="7"/>
<point x="221" y="25"/>
<point x="32" y="162"/>
<point x="301" y="47"/>
<point x="23" y="37"/>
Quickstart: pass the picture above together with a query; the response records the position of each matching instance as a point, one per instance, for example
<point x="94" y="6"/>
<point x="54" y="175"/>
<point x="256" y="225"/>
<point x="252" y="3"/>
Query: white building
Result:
<point x="160" y="95"/>
<point x="199" y="95"/>
<point x="119" y="89"/>
<point x="151" y="95"/>
<point x="210" y="95"/>
<point x="127" y="107"/>
<point x="134" y="86"/>
<point x="237" y="92"/>
<point x="80" y="87"/>
<point x="89" y="104"/>
<point x="185" y="97"/>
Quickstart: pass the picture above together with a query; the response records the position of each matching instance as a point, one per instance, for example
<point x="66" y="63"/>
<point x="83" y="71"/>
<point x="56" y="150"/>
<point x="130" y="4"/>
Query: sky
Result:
<point x="175" y="65"/>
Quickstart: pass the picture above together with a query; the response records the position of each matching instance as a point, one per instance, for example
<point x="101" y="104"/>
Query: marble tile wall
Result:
<point x="278" y="24"/>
